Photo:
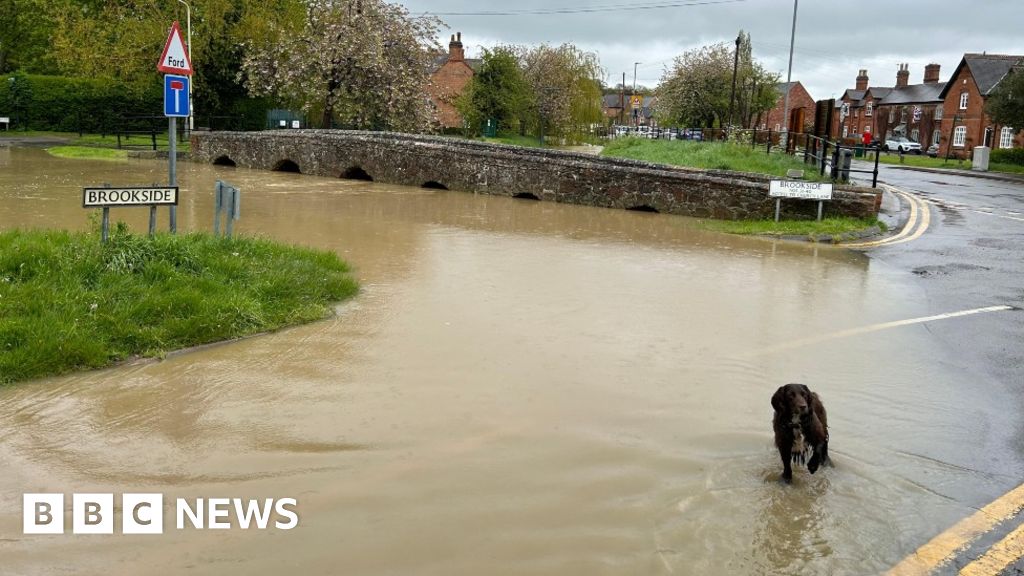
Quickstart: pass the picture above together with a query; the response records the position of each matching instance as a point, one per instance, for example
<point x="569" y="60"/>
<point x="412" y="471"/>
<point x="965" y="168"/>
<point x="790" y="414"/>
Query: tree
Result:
<point x="24" y="32"/>
<point x="566" y="88"/>
<point x="360" y="63"/>
<point x="498" y="91"/>
<point x="1006" y="103"/>
<point x="697" y="89"/>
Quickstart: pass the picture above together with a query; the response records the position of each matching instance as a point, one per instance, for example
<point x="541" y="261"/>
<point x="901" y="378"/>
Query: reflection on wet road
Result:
<point x="521" y="388"/>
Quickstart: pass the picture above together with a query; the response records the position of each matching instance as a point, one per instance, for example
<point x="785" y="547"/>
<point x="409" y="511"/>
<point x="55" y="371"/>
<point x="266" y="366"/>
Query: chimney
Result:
<point x="903" y="76"/>
<point x="931" y="74"/>
<point x="455" y="51"/>
<point x="862" y="80"/>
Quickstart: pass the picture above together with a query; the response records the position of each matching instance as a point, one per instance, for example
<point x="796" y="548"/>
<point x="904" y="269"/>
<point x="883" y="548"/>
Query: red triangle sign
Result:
<point x="175" y="58"/>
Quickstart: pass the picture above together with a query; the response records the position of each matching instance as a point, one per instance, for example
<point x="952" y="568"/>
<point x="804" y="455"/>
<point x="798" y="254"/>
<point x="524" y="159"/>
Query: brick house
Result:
<point x="801" y="108"/>
<point x="617" y="110"/>
<point x="964" y="121"/>
<point x="451" y="72"/>
<point x="914" y="111"/>
<point x="854" y="112"/>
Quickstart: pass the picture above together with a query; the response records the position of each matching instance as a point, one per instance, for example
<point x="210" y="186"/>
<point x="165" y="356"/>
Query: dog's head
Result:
<point x="792" y="400"/>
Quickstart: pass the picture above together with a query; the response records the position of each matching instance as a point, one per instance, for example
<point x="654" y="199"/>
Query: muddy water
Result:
<point x="521" y="388"/>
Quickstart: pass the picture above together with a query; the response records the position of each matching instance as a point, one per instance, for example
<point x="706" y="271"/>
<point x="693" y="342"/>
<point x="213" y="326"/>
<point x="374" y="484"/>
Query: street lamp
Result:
<point x="188" y="27"/>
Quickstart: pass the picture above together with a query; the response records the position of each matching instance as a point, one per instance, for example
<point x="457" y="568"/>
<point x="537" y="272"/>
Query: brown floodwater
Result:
<point x="520" y="388"/>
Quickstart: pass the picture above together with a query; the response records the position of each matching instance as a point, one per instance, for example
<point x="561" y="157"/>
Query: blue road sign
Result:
<point x="176" y="96"/>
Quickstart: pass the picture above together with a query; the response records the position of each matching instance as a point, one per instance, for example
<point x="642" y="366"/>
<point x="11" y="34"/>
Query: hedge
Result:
<point x="101" y="105"/>
<point x="1008" y="156"/>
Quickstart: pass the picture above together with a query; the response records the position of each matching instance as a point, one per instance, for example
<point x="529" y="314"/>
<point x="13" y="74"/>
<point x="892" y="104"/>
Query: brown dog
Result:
<point x="801" y="429"/>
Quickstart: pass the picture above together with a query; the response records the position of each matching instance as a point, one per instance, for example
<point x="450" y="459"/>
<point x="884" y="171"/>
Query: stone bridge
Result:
<point x="469" y="166"/>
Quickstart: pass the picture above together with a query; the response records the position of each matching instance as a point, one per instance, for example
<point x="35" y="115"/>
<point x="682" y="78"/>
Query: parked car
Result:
<point x="901" y="144"/>
<point x="933" y="151"/>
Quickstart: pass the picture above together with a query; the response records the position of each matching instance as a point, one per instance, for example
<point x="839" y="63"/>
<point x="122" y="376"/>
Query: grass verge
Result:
<point x="831" y="227"/>
<point x="951" y="164"/>
<point x="88" y="152"/>
<point x="68" y="302"/>
<point x="708" y="156"/>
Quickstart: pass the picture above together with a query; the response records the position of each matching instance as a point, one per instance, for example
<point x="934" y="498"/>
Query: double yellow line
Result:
<point x="944" y="547"/>
<point x="917" y="224"/>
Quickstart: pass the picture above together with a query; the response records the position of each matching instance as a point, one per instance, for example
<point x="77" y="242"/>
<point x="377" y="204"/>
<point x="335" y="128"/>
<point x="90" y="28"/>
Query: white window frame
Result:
<point x="1006" y="137"/>
<point x="846" y="131"/>
<point x="892" y="115"/>
<point x="963" y="100"/>
<point x="903" y="115"/>
<point x="869" y="109"/>
<point x="938" y="112"/>
<point x="936" y="136"/>
<point x="959" y="136"/>
<point x="915" y="135"/>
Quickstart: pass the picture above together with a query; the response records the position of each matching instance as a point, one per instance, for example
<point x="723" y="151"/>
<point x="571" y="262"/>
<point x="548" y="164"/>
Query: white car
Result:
<point x="901" y="144"/>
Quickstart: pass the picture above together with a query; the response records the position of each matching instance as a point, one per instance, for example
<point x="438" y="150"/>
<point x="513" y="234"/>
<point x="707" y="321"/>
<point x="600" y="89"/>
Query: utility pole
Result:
<point x="636" y="113"/>
<point x="622" y="99"/>
<point x="735" y="66"/>
<point x="789" y="78"/>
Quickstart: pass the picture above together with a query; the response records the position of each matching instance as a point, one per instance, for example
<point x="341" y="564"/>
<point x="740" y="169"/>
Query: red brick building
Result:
<point x="910" y="110"/>
<point x="964" y="121"/>
<point x="801" y="109"/>
<point x="452" y="71"/>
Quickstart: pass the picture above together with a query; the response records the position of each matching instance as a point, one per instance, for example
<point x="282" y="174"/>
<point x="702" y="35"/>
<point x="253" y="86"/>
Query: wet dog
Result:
<point x="801" y="429"/>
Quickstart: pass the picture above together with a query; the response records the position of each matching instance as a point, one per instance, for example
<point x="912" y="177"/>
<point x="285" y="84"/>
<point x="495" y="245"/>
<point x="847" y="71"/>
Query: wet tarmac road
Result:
<point x="521" y="388"/>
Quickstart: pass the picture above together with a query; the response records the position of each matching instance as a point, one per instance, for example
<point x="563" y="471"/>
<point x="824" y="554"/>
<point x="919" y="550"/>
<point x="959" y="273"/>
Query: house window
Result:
<point x="846" y="131"/>
<point x="959" y="136"/>
<point x="870" y="109"/>
<point x="892" y="115"/>
<point x="1006" y="137"/>
<point x="903" y="115"/>
<point x="963" y="100"/>
<point x="938" y="112"/>
<point x="915" y="135"/>
<point x="778" y="127"/>
<point x="936" y="136"/>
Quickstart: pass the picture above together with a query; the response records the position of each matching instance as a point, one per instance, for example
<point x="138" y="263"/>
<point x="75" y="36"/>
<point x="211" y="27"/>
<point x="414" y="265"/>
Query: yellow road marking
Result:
<point x="1002" y="554"/>
<point x="944" y="547"/>
<point x="875" y="328"/>
<point x="911" y="230"/>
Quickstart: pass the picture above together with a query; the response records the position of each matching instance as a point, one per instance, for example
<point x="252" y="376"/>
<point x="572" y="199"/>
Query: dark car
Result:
<point x="933" y="151"/>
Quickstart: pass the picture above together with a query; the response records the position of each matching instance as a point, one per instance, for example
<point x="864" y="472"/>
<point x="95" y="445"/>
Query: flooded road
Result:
<point x="520" y="388"/>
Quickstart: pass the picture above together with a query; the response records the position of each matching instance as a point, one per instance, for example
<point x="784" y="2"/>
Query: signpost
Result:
<point x="780" y="189"/>
<point x="174" y="62"/>
<point x="226" y="197"/>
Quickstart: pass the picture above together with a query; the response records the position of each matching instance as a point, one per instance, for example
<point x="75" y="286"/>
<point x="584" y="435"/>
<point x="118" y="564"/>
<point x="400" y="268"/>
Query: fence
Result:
<point x="823" y="154"/>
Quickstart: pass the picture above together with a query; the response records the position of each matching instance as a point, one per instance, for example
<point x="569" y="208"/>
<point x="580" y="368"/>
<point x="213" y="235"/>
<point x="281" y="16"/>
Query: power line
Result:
<point x="590" y="9"/>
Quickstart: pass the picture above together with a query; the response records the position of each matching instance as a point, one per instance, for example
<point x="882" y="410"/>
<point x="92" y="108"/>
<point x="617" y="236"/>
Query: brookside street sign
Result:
<point x="797" y="189"/>
<point x="134" y="196"/>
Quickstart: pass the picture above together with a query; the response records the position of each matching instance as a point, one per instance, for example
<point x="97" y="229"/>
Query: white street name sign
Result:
<point x="141" y="196"/>
<point x="798" y="189"/>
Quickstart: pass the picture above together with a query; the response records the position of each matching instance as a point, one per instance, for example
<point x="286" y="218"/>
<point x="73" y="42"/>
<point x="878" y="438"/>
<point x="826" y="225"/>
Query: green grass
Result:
<point x="952" y="163"/>
<point x="827" y="227"/>
<point x="88" y="152"/>
<point x="134" y="141"/>
<point x="517" y="140"/>
<point x="68" y="302"/>
<point x="708" y="156"/>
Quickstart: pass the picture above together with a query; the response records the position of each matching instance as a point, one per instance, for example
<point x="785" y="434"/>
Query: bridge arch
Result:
<point x="357" y="173"/>
<point x="526" y="196"/>
<point x="287" y="165"/>
<point x="224" y="160"/>
<point x="434" y="185"/>
<point x="643" y="208"/>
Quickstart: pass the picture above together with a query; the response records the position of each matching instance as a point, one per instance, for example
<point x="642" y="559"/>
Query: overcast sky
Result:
<point x="834" y="38"/>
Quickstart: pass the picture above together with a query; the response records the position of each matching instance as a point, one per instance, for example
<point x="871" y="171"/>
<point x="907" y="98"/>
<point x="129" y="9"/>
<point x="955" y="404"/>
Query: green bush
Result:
<point x="1008" y="156"/>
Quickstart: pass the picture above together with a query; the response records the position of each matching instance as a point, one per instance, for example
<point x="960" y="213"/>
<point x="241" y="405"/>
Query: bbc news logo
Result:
<point x="144" y="513"/>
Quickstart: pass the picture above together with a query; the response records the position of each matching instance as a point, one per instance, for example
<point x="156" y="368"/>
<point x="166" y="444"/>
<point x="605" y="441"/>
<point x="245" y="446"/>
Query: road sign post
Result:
<point x="175" y="62"/>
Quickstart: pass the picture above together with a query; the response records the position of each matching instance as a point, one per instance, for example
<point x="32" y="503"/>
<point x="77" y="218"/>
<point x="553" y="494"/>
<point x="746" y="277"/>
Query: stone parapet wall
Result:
<point x="552" y="175"/>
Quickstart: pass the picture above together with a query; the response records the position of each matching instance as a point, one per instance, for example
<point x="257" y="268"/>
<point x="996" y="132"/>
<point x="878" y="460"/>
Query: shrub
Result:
<point x="1008" y="156"/>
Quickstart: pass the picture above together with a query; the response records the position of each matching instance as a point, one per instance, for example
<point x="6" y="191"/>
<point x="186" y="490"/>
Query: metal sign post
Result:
<point x="176" y="63"/>
<point x="228" y="198"/>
